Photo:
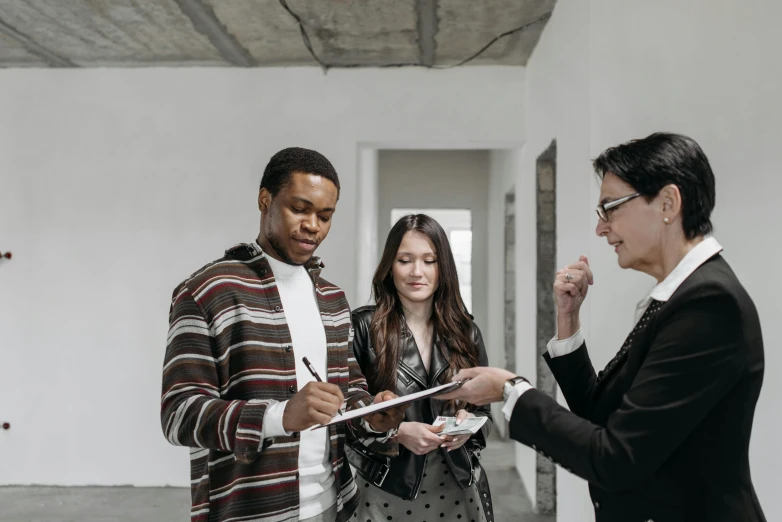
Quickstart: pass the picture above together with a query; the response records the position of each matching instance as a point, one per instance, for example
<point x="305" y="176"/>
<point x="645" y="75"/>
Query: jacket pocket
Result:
<point x="403" y="378"/>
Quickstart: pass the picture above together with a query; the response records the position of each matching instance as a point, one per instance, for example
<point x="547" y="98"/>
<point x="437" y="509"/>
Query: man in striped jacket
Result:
<point x="235" y="388"/>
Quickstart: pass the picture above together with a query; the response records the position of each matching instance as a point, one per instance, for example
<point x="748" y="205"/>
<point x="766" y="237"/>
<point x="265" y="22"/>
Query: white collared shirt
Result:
<point x="663" y="291"/>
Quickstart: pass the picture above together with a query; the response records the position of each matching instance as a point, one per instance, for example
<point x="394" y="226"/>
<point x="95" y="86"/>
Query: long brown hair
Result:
<point x="452" y="324"/>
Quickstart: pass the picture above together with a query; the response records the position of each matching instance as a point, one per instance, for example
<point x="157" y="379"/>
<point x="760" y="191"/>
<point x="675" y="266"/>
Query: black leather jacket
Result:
<point x="406" y="471"/>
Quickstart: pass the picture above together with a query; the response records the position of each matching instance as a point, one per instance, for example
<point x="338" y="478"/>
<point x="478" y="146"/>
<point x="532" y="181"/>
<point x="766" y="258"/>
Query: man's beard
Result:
<point x="281" y="252"/>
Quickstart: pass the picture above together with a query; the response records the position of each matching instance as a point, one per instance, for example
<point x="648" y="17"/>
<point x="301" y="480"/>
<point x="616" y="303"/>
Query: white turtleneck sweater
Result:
<point x="317" y="492"/>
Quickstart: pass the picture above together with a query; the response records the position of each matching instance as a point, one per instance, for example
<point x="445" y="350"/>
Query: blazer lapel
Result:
<point x="621" y="356"/>
<point x="440" y="360"/>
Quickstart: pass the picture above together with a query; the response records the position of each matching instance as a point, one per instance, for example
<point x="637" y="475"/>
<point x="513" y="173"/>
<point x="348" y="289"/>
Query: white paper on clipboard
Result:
<point x="374" y="408"/>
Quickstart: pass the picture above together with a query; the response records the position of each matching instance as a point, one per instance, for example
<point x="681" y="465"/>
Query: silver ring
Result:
<point x="568" y="277"/>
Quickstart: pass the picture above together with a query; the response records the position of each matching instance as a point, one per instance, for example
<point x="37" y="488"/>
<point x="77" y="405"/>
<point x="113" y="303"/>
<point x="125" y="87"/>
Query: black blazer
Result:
<point x="663" y="433"/>
<point x="407" y="470"/>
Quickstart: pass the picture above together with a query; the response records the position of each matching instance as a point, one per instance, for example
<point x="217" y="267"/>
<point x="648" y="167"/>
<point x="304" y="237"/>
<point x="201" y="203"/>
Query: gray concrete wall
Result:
<point x="546" y="194"/>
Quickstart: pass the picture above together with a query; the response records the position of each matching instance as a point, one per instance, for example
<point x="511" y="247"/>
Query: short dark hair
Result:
<point x="296" y="159"/>
<point x="660" y="159"/>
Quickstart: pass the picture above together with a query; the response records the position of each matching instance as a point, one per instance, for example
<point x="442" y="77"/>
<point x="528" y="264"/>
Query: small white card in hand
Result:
<point x="470" y="425"/>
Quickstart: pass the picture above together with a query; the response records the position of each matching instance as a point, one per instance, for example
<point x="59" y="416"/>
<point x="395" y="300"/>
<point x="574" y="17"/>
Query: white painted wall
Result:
<point x="506" y="170"/>
<point x="557" y="108"/>
<point x="607" y="71"/>
<point x="503" y="169"/>
<point x="367" y="257"/>
<point x="117" y="184"/>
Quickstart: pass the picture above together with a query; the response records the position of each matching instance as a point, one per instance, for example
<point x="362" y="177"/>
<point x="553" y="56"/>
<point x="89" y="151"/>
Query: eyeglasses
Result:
<point x="603" y="208"/>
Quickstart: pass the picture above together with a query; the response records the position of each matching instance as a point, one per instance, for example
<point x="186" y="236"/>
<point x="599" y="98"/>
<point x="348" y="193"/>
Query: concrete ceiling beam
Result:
<point x="427" y="30"/>
<point x="49" y="56"/>
<point x="205" y="21"/>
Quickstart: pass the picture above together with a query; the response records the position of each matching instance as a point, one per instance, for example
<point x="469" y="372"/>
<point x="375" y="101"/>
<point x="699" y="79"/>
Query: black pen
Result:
<point x="314" y="373"/>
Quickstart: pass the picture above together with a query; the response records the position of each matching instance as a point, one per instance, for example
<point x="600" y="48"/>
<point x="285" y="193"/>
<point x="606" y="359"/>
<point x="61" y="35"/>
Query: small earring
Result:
<point x="666" y="220"/>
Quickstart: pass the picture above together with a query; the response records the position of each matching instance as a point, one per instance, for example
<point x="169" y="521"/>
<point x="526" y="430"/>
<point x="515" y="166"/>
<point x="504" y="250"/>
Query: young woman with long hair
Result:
<point x="419" y="335"/>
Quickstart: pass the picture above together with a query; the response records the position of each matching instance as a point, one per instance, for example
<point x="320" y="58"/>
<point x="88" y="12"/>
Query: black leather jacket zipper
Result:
<point x="420" y="480"/>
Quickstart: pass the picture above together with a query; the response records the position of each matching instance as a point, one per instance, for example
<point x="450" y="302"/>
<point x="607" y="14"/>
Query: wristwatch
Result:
<point x="509" y="385"/>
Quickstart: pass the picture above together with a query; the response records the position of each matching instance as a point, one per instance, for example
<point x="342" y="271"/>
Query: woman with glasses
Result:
<point x="662" y="432"/>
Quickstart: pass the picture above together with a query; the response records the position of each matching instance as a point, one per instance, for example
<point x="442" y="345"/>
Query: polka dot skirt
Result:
<point x="439" y="499"/>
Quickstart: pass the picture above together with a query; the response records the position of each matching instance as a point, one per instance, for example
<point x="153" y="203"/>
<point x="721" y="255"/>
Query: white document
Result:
<point x="374" y="408"/>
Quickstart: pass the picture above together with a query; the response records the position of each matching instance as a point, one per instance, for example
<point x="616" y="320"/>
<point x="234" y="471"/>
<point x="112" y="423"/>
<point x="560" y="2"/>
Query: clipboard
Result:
<point x="386" y="405"/>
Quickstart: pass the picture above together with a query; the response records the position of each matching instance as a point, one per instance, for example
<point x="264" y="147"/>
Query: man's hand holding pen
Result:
<point x="316" y="403"/>
<point x="320" y="400"/>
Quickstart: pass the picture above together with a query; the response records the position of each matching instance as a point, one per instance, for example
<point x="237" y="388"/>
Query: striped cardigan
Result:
<point x="229" y="356"/>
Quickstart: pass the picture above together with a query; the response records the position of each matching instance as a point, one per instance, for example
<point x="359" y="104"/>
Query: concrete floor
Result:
<point x="511" y="503"/>
<point x="128" y="504"/>
<point x="94" y="504"/>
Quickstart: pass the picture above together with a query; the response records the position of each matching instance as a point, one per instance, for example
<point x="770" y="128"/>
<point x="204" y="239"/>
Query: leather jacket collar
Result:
<point x="404" y="475"/>
<point x="412" y="363"/>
